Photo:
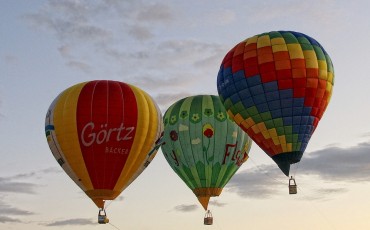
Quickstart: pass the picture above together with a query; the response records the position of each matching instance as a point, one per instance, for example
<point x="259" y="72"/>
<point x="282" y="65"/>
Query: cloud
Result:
<point x="221" y="17"/>
<point x="74" y="222"/>
<point x="136" y="50"/>
<point x="6" y="219"/>
<point x="10" y="59"/>
<point x="6" y="209"/>
<point x="331" y="164"/>
<point x="11" y="184"/>
<point x="327" y="14"/>
<point x="140" y="32"/>
<point x="217" y="203"/>
<point x="350" y="164"/>
<point x="35" y="174"/>
<point x="366" y="135"/>
<point x="51" y="170"/>
<point x="186" y="208"/>
<point x="165" y="100"/>
<point x="157" y="12"/>
<point x="7" y="185"/>
<point x="84" y="67"/>
<point x="69" y="21"/>
<point x="193" y="207"/>
<point x="7" y="212"/>
<point x="256" y="183"/>
<point x="86" y="21"/>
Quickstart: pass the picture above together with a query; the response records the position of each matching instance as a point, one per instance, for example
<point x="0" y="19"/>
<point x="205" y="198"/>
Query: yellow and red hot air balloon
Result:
<point x="276" y="86"/>
<point x="103" y="134"/>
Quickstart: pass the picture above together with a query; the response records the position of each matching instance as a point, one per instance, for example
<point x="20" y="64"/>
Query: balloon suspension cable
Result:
<point x="114" y="226"/>
<point x="295" y="168"/>
<point x="265" y="173"/>
<point x="109" y="203"/>
<point x="318" y="211"/>
<point x="217" y="225"/>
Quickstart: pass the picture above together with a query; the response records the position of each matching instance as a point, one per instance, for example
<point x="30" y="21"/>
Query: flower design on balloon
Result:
<point x="220" y="116"/>
<point x="173" y="135"/>
<point x="173" y="119"/>
<point x="184" y="114"/>
<point x="195" y="117"/>
<point x="208" y="131"/>
<point x="208" y="112"/>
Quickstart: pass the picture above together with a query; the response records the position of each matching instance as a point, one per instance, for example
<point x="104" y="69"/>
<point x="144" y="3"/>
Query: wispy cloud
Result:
<point x="186" y="208"/>
<point x="74" y="222"/>
<point x="256" y="183"/>
<point x="35" y="174"/>
<point x="331" y="164"/>
<point x="324" y="15"/>
<point x="7" y="213"/>
<point x="350" y="164"/>
<point x="18" y="183"/>
<point x="84" y="67"/>
<point x="7" y="210"/>
<point x="217" y="203"/>
<point x="10" y="59"/>
<point x="193" y="207"/>
<point x="137" y="50"/>
<point x="167" y="99"/>
<point x="9" y="186"/>
<point x="6" y="219"/>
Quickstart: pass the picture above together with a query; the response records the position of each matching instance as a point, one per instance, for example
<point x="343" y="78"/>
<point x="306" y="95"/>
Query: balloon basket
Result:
<point x="208" y="219"/>
<point x="102" y="217"/>
<point x="292" y="186"/>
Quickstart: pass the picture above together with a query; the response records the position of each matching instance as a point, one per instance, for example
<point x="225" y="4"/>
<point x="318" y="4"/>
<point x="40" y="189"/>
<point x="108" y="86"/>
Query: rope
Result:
<point x="296" y="167"/>
<point x="113" y="226"/>
<point x="110" y="202"/>
<point x="330" y="224"/>
<point x="265" y="173"/>
<point x="218" y="226"/>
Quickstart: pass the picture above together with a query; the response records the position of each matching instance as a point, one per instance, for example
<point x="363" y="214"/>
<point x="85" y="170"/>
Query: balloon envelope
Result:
<point x="103" y="134"/>
<point x="202" y="145"/>
<point x="276" y="86"/>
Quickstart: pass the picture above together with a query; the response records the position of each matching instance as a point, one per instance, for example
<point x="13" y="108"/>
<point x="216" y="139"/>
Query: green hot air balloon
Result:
<point x="203" y="145"/>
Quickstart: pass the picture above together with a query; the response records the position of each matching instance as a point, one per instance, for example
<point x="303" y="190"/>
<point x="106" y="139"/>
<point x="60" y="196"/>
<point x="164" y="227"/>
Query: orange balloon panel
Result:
<point x="103" y="134"/>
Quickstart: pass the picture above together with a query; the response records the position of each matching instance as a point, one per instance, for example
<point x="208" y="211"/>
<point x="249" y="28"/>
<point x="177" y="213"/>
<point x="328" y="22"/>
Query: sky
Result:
<point x="173" y="49"/>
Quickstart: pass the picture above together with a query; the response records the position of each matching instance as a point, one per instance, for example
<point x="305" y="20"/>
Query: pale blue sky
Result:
<point x="173" y="49"/>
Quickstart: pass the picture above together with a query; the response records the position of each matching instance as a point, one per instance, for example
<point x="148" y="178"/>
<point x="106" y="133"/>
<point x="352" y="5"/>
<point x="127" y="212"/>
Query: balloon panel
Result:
<point x="276" y="86"/>
<point x="106" y="126"/>
<point x="202" y="145"/>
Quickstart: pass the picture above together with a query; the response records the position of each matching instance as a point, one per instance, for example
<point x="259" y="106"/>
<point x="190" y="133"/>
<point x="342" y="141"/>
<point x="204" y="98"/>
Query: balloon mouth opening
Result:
<point x="204" y="194"/>
<point x="284" y="160"/>
<point x="99" y="196"/>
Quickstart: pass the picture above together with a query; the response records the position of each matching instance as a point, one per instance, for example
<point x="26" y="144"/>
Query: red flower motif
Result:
<point x="173" y="135"/>
<point x="208" y="133"/>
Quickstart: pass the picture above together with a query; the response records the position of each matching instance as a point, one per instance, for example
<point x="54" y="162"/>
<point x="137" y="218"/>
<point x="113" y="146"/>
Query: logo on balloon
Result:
<point x="89" y="136"/>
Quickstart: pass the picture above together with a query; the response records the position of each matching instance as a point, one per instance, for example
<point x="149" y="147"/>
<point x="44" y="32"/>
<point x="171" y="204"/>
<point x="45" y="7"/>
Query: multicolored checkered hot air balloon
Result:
<point x="276" y="86"/>
<point x="203" y="145"/>
<point x="103" y="134"/>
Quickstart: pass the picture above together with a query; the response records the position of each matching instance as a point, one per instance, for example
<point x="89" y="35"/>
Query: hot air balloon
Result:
<point x="103" y="134"/>
<point x="276" y="87"/>
<point x="203" y="146"/>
